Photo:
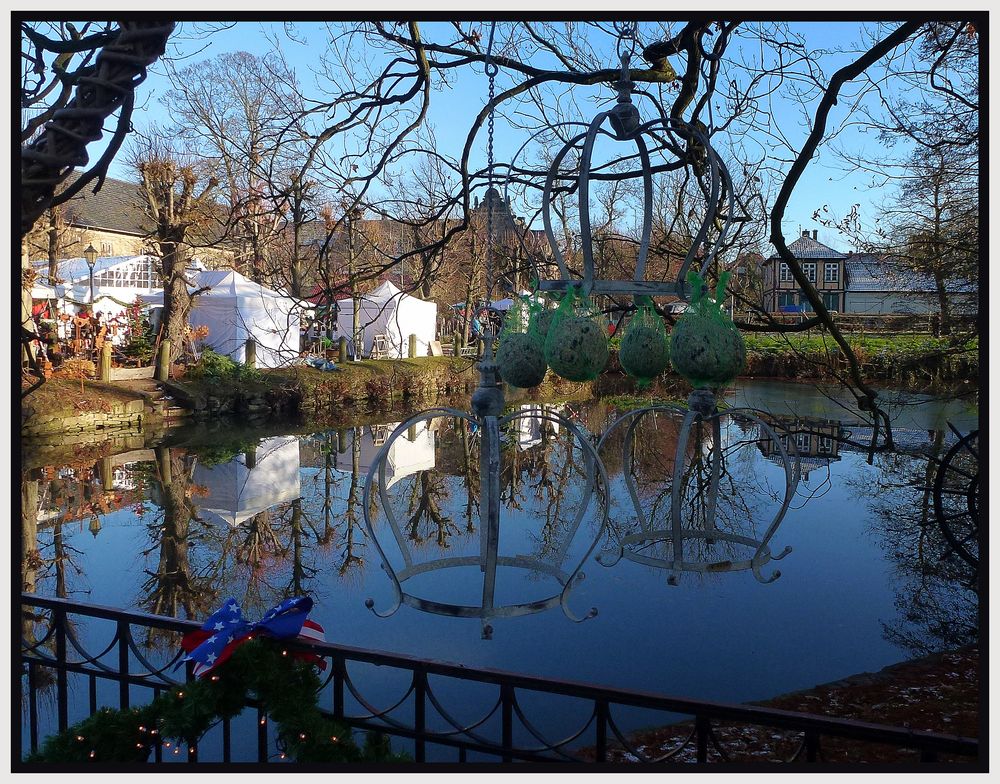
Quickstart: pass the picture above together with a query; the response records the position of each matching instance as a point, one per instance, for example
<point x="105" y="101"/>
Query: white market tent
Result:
<point x="236" y="491"/>
<point x="235" y="308"/>
<point x="388" y="311"/>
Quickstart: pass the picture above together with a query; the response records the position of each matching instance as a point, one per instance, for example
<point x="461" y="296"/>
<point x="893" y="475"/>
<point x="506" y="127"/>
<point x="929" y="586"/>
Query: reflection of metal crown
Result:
<point x="488" y="559"/>
<point x="701" y="410"/>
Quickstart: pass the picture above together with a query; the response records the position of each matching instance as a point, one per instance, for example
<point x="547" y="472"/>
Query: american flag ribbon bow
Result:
<point x="226" y="629"/>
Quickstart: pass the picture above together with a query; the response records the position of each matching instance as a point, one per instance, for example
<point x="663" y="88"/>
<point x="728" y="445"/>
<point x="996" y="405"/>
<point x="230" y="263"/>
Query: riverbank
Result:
<point x="368" y="385"/>
<point x="919" y="362"/>
<point x="937" y="693"/>
<point x="62" y="405"/>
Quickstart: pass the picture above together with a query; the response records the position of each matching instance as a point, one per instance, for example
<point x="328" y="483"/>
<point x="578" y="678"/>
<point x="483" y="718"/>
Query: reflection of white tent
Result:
<point x="235" y="308"/>
<point x="531" y="422"/>
<point x="237" y="491"/>
<point x="388" y="311"/>
<point x="406" y="456"/>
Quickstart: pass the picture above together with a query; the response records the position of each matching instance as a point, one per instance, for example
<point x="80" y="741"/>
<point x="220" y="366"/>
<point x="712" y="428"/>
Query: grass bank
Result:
<point x="914" y="361"/>
<point x="368" y="385"/>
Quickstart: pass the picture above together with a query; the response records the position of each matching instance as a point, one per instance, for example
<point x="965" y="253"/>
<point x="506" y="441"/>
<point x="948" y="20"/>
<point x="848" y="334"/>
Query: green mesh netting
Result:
<point x="645" y="348"/>
<point x="576" y="346"/>
<point x="706" y="348"/>
<point x="520" y="354"/>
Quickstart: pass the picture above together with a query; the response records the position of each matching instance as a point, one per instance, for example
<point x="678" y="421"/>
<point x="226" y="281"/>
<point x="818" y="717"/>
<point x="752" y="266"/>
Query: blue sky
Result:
<point x="825" y="181"/>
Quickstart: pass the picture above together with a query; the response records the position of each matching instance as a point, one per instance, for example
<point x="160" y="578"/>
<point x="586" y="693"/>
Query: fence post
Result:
<point x="163" y="361"/>
<point x="105" y="374"/>
<point x="458" y="344"/>
<point x="342" y="344"/>
<point x="413" y="346"/>
<point x="251" y="353"/>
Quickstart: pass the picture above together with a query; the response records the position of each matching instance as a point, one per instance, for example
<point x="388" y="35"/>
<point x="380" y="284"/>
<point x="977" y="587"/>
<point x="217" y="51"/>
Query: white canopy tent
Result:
<point x="508" y="302"/>
<point x="236" y="491"/>
<point x="388" y="311"/>
<point x="235" y="308"/>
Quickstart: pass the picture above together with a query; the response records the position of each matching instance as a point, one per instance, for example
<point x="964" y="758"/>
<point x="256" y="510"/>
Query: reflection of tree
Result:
<point x="425" y="520"/>
<point x="174" y="586"/>
<point x="723" y="486"/>
<point x="937" y="591"/>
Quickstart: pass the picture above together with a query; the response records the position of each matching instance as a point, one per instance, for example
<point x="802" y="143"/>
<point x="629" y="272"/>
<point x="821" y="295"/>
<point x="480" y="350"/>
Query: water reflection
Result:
<point x="170" y="531"/>
<point x="699" y="502"/>
<point x="248" y="485"/>
<point x="522" y="505"/>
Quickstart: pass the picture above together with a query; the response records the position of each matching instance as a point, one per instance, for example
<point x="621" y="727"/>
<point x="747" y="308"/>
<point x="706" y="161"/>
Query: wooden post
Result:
<point x="163" y="361"/>
<point x="342" y="343"/>
<point x="458" y="343"/>
<point x="480" y="347"/>
<point x="413" y="346"/>
<point x="251" y="353"/>
<point x="105" y="374"/>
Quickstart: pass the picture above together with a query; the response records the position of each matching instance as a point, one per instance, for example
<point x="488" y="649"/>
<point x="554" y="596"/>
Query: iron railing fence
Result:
<point x="503" y="732"/>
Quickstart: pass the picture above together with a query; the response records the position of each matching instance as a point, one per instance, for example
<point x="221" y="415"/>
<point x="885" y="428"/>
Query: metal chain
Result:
<point x="491" y="72"/>
<point x="627" y="41"/>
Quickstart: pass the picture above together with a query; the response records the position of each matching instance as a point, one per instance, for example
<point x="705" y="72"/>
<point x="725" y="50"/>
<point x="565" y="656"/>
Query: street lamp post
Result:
<point x="90" y="255"/>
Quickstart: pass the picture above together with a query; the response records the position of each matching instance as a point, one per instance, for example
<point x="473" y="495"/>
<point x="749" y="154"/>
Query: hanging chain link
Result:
<point x="627" y="40"/>
<point x="491" y="72"/>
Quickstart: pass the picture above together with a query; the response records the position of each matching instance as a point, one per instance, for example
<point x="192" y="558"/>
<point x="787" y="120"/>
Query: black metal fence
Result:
<point x="502" y="730"/>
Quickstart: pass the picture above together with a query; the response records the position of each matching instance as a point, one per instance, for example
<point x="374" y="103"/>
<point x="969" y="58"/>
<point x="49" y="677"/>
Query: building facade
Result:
<point x="823" y="267"/>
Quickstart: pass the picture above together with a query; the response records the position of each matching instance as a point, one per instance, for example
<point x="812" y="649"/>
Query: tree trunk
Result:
<point x="53" y="245"/>
<point x="945" y="307"/>
<point x="176" y="299"/>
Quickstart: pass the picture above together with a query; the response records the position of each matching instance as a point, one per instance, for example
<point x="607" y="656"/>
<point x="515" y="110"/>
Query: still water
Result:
<point x="265" y="515"/>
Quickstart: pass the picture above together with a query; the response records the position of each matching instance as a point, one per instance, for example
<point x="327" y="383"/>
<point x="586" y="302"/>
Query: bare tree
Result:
<point x="179" y="205"/>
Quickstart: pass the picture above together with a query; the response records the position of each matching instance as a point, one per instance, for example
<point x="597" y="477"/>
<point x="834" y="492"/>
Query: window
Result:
<point x="831" y="301"/>
<point x="831" y="272"/>
<point x="825" y="444"/>
<point x="802" y="442"/>
<point x="809" y="270"/>
<point x="786" y="300"/>
<point x="107" y="249"/>
<point x="804" y="305"/>
<point x="784" y="274"/>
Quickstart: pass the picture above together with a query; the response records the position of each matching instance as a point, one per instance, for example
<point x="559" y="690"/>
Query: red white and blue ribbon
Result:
<point x="226" y="629"/>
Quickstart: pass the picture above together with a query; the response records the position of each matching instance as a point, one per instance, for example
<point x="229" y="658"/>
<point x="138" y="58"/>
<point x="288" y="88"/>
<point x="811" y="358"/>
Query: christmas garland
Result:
<point x="286" y="687"/>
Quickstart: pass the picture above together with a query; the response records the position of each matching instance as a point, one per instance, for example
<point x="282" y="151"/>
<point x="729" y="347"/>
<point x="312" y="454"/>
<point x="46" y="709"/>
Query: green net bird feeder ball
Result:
<point x="520" y="357"/>
<point x="576" y="346"/>
<point x="645" y="348"/>
<point x="521" y="360"/>
<point x="706" y="348"/>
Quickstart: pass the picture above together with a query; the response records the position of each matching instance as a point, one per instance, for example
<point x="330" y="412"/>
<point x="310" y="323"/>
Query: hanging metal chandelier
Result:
<point x="688" y="542"/>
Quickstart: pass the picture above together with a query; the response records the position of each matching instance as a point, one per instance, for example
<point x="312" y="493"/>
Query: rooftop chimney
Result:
<point x="805" y="233"/>
<point x="815" y="232"/>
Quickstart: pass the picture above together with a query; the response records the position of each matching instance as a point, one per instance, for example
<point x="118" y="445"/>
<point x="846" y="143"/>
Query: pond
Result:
<point x="263" y="515"/>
